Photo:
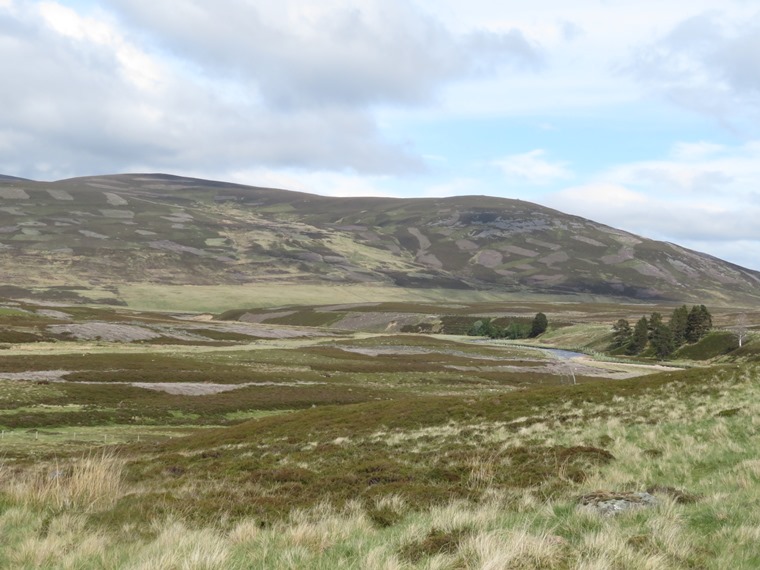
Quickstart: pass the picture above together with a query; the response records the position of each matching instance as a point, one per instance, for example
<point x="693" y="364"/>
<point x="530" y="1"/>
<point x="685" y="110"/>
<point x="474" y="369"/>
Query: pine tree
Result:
<point x="693" y="325"/>
<point x="539" y="325"/>
<point x="706" y="320"/>
<point x="621" y="334"/>
<point x="640" y="335"/>
<point x="654" y="322"/>
<point x="678" y="323"/>
<point x="662" y="341"/>
<point x="698" y="323"/>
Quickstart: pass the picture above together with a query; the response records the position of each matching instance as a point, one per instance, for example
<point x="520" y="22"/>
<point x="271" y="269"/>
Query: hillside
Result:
<point x="108" y="231"/>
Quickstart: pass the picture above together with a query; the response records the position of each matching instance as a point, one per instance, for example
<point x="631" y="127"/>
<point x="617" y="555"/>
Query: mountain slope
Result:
<point x="110" y="230"/>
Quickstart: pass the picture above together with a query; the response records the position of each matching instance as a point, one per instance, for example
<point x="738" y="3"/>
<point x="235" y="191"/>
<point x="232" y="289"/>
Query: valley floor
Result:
<point x="251" y="445"/>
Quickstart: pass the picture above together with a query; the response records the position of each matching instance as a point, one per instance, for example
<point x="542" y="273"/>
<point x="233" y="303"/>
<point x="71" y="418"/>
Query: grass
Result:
<point x="217" y="299"/>
<point x="98" y="404"/>
<point x="395" y="448"/>
<point x="715" y="344"/>
<point x="99" y="385"/>
<point x="371" y="450"/>
<point x="307" y="318"/>
<point x="669" y="437"/>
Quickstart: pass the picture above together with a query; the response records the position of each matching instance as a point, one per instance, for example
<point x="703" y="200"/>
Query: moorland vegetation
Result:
<point x="248" y="444"/>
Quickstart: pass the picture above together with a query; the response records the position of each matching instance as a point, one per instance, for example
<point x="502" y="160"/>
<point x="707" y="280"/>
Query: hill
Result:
<point x="107" y="232"/>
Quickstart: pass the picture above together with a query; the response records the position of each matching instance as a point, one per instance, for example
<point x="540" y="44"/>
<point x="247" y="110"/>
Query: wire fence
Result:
<point x="44" y="438"/>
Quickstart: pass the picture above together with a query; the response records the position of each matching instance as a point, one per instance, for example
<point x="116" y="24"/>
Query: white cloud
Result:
<point x="227" y="86"/>
<point x="68" y="22"/>
<point x="298" y="54"/>
<point x="701" y="170"/>
<point x="696" y="151"/>
<point x="316" y="182"/>
<point x="134" y="64"/>
<point x="531" y="167"/>
<point x="84" y="95"/>
<point x="740" y="252"/>
<point x="686" y="198"/>
<point x="660" y="217"/>
<point x="599" y="198"/>
<point x="708" y="63"/>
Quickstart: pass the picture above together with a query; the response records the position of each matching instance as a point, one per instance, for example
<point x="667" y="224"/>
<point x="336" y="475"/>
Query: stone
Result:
<point x="611" y="503"/>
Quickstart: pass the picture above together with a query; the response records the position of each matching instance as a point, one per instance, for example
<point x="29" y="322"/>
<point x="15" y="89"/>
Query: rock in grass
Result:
<point x="610" y="503"/>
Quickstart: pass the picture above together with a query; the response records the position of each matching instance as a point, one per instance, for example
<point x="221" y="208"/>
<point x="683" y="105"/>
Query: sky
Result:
<point x="640" y="114"/>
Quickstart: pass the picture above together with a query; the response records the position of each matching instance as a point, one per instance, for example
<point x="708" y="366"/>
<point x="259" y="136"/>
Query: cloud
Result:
<point x="707" y="63"/>
<point x="226" y="86"/>
<point x="729" y="232"/>
<point x="600" y="197"/>
<point x="300" y="54"/>
<point x="82" y="96"/>
<point x="696" y="151"/>
<point x="740" y="252"/>
<point x="570" y="30"/>
<point x="322" y="183"/>
<point x="702" y="193"/>
<point x="698" y="170"/>
<point x="656" y="217"/>
<point x="532" y="168"/>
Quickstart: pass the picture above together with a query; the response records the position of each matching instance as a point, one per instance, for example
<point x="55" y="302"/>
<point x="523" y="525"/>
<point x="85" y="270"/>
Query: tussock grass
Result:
<point x="91" y="483"/>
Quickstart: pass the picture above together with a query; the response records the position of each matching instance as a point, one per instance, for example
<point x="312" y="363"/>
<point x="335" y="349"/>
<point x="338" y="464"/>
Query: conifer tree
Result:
<point x="678" y="323"/>
<point x="654" y="322"/>
<point x="706" y="319"/>
<point x="662" y="341"/>
<point x="621" y="334"/>
<point x="539" y="325"/>
<point x="639" y="338"/>
<point x="698" y="324"/>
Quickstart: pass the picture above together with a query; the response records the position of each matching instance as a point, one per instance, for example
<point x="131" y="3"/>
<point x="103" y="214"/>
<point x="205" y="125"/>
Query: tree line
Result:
<point x="684" y="326"/>
<point x="513" y="329"/>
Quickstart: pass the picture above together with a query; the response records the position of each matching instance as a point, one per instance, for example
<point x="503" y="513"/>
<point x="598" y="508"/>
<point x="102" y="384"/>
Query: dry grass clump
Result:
<point x="61" y="542"/>
<point x="177" y="547"/>
<point x="513" y="548"/>
<point x="323" y="527"/>
<point x="91" y="483"/>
